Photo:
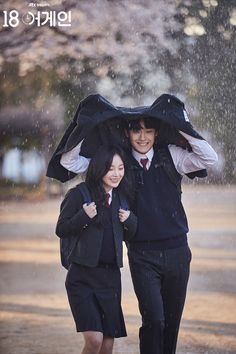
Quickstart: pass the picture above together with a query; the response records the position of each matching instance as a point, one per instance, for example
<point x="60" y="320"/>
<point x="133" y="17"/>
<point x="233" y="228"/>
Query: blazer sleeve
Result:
<point x="130" y="226"/>
<point x="72" y="219"/>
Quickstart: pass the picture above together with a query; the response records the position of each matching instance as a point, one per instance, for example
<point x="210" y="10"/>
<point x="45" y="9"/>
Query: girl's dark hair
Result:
<point x="98" y="168"/>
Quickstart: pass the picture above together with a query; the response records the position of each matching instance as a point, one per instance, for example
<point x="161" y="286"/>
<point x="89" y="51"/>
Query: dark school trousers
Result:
<point x="160" y="280"/>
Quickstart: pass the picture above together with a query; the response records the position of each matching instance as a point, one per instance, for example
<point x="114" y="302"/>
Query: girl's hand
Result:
<point x="123" y="214"/>
<point x="90" y="209"/>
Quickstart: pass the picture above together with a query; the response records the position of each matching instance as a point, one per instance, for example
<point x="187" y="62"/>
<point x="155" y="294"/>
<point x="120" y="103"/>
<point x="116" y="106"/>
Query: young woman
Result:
<point x="93" y="280"/>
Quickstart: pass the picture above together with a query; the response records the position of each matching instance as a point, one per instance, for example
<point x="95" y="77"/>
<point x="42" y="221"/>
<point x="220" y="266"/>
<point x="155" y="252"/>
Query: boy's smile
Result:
<point x="142" y="140"/>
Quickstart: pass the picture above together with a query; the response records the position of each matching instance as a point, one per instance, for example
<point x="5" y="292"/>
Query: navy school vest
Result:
<point x="161" y="216"/>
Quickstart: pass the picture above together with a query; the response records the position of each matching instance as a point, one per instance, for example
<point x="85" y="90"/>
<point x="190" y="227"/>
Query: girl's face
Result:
<point x="114" y="175"/>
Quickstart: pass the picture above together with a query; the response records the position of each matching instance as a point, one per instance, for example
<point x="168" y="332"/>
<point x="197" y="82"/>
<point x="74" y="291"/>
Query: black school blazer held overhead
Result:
<point x="74" y="222"/>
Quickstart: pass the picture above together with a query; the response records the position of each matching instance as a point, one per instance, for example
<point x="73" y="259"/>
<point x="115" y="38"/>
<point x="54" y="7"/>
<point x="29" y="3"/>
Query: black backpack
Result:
<point x="68" y="244"/>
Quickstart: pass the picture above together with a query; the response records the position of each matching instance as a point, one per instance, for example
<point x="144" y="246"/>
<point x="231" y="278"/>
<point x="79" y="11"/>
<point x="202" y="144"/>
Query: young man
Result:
<point x="159" y="255"/>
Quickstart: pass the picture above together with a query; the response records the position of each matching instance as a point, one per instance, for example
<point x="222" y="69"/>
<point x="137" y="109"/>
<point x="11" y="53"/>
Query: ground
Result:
<point x="35" y="317"/>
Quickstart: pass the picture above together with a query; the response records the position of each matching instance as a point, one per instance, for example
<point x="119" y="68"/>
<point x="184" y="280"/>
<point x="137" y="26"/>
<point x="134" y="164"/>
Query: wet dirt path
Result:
<point x="35" y="317"/>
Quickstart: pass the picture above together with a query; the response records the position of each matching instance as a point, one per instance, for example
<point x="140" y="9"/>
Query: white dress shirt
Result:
<point x="73" y="161"/>
<point x="139" y="157"/>
<point x="202" y="156"/>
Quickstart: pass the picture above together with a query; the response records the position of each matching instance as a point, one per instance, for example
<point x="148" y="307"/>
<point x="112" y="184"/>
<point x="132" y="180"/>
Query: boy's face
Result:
<point x="142" y="140"/>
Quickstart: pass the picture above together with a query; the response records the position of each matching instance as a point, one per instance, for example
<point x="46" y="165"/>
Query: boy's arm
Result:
<point x="202" y="155"/>
<point x="130" y="226"/>
<point x="73" y="161"/>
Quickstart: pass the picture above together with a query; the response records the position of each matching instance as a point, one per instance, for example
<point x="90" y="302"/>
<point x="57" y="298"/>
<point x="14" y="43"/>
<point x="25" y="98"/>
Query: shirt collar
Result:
<point x="148" y="155"/>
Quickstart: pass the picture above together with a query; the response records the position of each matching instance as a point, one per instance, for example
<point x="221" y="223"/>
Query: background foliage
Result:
<point x="129" y="51"/>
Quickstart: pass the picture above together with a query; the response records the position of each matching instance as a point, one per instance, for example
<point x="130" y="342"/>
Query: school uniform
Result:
<point x="159" y="255"/>
<point x="93" y="281"/>
<point x="159" y="258"/>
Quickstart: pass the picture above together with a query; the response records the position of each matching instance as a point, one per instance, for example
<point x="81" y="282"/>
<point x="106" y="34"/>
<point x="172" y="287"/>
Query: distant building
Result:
<point x="23" y="166"/>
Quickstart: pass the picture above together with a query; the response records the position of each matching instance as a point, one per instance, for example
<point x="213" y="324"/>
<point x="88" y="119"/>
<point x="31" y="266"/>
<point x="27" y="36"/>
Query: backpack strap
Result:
<point x="165" y="160"/>
<point x="123" y="201"/>
<point x="85" y="193"/>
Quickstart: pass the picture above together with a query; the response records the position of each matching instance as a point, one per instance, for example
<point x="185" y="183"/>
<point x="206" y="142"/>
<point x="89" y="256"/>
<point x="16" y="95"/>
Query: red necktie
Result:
<point x="107" y="197"/>
<point x="144" y="163"/>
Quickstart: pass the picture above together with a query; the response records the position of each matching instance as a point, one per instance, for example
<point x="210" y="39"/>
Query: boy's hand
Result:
<point x="123" y="214"/>
<point x="90" y="209"/>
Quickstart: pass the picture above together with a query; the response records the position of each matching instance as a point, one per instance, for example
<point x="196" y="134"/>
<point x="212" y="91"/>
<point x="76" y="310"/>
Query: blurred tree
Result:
<point x="206" y="61"/>
<point x="132" y="53"/>
<point x="114" y="50"/>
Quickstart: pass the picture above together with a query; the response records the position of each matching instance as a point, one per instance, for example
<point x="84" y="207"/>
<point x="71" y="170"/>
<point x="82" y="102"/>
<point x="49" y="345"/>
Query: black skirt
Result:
<point x="95" y="299"/>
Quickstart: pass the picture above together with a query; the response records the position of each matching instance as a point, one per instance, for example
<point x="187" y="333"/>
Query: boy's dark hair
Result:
<point x="149" y="123"/>
<point x="98" y="168"/>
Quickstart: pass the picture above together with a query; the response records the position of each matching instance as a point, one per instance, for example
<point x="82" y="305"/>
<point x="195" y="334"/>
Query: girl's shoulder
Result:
<point x="83" y="191"/>
<point x="76" y="190"/>
<point x="80" y="186"/>
<point x="75" y="197"/>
